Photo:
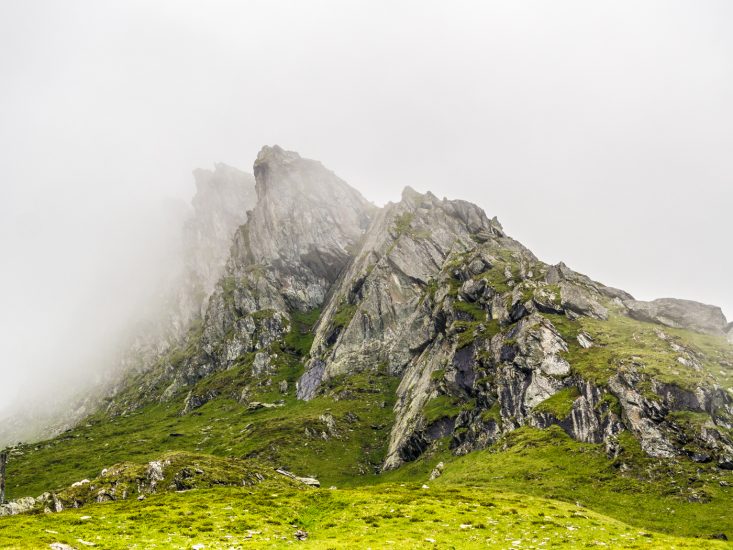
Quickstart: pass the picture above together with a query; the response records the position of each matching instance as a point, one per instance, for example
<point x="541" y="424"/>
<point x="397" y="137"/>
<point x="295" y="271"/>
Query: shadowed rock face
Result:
<point x="305" y="215"/>
<point x="680" y="314"/>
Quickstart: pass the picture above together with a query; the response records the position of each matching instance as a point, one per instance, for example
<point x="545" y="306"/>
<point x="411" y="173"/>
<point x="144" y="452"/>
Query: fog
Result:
<point x="599" y="133"/>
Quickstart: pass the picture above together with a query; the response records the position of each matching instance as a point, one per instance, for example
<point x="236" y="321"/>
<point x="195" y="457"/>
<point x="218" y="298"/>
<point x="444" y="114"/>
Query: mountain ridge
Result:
<point x="353" y="341"/>
<point x="434" y="293"/>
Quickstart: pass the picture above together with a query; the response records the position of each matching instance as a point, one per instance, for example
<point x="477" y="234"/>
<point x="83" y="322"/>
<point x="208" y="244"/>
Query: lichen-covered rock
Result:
<point x="20" y="506"/>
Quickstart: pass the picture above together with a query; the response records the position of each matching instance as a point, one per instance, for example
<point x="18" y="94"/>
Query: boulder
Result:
<point x="310" y="481"/>
<point x="437" y="471"/>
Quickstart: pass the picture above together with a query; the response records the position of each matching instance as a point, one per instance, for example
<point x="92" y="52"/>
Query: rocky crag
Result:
<point x="476" y="334"/>
<point x="306" y="291"/>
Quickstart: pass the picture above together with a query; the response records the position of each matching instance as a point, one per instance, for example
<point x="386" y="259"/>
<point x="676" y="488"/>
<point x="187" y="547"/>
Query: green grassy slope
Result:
<point x="221" y="427"/>
<point x="674" y="497"/>
<point x="682" y="498"/>
<point x="385" y="516"/>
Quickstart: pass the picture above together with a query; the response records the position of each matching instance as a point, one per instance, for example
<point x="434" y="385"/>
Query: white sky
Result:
<point x="600" y="133"/>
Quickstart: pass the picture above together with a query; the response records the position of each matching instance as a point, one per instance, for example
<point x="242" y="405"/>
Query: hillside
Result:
<point x="375" y="349"/>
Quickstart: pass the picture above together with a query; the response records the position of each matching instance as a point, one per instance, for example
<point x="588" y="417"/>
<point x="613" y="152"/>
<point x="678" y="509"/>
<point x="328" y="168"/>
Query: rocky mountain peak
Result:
<point x="412" y="197"/>
<point x="303" y="211"/>
<point x="274" y="153"/>
<point x="284" y="259"/>
<point x="376" y="315"/>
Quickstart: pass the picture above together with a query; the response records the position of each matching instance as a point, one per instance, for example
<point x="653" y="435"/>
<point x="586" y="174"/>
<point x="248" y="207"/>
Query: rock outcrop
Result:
<point x="294" y="245"/>
<point x="376" y="316"/>
<point x="178" y="471"/>
<point x="680" y="314"/>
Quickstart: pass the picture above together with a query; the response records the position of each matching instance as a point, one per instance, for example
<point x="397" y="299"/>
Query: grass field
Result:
<point x="409" y="515"/>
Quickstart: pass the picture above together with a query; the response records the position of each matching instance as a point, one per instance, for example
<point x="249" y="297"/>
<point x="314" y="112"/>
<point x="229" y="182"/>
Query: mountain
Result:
<point x="316" y="332"/>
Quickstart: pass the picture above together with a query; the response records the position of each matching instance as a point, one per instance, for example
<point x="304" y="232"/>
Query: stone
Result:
<point x="154" y="473"/>
<point x="437" y="471"/>
<point x="310" y="481"/>
<point x="585" y="340"/>
<point x="19" y="506"/>
<point x="256" y="405"/>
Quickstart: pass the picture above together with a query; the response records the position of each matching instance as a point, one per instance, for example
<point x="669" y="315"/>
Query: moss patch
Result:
<point x="560" y="404"/>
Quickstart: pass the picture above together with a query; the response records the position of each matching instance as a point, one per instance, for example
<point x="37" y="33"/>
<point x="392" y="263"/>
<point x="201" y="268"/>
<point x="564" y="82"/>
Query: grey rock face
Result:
<point x="286" y="257"/>
<point x="19" y="506"/>
<point x="291" y="250"/>
<point x="679" y="314"/>
<point x="381" y="290"/>
<point x="305" y="216"/>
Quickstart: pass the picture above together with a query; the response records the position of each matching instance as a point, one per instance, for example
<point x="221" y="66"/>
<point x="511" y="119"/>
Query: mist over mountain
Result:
<point x="366" y="275"/>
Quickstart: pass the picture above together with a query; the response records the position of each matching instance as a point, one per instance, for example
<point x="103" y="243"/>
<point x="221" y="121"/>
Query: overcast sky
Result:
<point x="600" y="133"/>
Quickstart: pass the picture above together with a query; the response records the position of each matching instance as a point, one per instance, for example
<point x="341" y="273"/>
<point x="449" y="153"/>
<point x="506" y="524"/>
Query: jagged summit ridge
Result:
<point x="676" y="313"/>
<point x="304" y="210"/>
<point x="342" y="340"/>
